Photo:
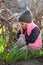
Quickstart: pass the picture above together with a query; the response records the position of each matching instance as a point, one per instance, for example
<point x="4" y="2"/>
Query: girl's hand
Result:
<point x="21" y="41"/>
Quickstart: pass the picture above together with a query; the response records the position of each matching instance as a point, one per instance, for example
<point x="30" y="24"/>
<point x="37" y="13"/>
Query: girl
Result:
<point x="30" y="31"/>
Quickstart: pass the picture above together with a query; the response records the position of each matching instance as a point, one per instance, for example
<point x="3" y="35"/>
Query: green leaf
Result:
<point x="1" y="31"/>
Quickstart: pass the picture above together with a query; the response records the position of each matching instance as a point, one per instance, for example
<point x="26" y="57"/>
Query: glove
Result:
<point x="22" y="35"/>
<point x="21" y="41"/>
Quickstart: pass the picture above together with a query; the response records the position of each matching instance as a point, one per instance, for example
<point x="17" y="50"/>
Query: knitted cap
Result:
<point x="26" y="17"/>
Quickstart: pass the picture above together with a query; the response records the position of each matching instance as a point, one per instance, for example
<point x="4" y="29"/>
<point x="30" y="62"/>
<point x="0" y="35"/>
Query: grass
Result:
<point x="14" y="54"/>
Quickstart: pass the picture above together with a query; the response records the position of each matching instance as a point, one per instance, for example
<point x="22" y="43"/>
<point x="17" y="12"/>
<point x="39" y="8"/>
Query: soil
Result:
<point x="25" y="62"/>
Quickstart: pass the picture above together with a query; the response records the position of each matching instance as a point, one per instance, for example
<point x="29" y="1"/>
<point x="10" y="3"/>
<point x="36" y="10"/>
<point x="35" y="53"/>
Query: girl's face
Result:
<point x="23" y="25"/>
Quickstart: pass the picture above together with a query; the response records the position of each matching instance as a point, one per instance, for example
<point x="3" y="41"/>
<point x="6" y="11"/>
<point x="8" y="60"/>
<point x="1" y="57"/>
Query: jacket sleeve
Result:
<point x="33" y="36"/>
<point x="18" y="34"/>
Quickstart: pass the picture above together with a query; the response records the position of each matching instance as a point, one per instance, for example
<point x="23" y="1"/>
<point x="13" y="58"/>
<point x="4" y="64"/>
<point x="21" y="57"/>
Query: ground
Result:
<point x="26" y="62"/>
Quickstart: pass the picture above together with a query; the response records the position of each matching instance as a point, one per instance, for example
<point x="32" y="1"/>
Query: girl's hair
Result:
<point x="26" y="17"/>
